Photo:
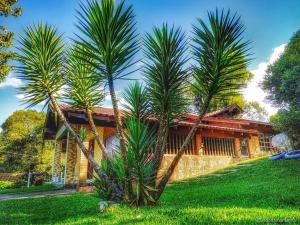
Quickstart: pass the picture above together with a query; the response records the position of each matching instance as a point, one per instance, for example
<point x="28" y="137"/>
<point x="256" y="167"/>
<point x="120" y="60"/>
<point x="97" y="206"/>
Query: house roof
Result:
<point x="217" y="120"/>
<point x="101" y="111"/>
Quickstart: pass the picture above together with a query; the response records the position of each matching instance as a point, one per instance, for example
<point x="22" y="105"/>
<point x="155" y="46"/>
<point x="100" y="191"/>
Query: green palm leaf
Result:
<point x="42" y="63"/>
<point x="83" y="86"/>
<point x="165" y="71"/>
<point x="220" y="54"/>
<point x="137" y="104"/>
<point x="109" y="37"/>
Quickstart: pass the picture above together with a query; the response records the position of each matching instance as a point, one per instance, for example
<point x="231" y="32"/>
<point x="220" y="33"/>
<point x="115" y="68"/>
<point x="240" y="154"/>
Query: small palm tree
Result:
<point x="137" y="104"/>
<point x="83" y="89"/>
<point x="220" y="53"/>
<point x="140" y="141"/>
<point x="165" y="75"/>
<point x="108" y="33"/>
<point x="42" y="69"/>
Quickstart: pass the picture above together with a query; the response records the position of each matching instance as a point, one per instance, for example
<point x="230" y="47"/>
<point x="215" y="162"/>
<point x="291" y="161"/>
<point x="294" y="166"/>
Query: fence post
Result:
<point x="28" y="179"/>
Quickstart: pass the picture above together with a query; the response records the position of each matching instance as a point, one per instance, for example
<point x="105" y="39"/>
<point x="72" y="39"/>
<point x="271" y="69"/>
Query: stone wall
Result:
<point x="195" y="165"/>
<point x="71" y="162"/>
<point x="56" y="170"/>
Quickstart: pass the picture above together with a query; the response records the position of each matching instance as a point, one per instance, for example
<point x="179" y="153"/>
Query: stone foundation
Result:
<point x="195" y="165"/>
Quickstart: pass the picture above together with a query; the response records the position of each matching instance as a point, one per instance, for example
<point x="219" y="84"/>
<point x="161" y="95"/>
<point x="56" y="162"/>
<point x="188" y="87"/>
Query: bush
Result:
<point x="6" y="184"/>
<point x="19" y="183"/>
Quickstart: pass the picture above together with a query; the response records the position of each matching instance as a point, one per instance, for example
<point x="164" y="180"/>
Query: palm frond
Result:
<point x="165" y="71"/>
<point x="83" y="87"/>
<point x="137" y="104"/>
<point x="42" y="63"/>
<point x="221" y="55"/>
<point x="108" y="33"/>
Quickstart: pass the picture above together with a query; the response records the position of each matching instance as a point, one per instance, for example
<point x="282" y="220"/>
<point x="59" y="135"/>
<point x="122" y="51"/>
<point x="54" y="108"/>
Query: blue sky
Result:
<point x="269" y="25"/>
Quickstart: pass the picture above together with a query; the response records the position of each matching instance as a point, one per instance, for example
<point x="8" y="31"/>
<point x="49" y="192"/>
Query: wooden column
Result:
<point x="199" y="145"/>
<point x="250" y="146"/>
<point x="237" y="148"/>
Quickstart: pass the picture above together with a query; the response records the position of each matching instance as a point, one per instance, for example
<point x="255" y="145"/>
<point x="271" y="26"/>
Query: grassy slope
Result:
<point x="266" y="190"/>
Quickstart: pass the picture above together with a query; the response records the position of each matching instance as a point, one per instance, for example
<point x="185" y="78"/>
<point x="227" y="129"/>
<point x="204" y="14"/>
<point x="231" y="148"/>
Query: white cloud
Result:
<point x="276" y="53"/>
<point x="11" y="81"/>
<point x="253" y="91"/>
<point x="20" y="96"/>
<point x="107" y="100"/>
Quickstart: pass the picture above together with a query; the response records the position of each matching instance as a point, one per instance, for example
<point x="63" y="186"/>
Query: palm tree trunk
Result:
<point x="160" y="147"/>
<point x="163" y="182"/>
<point x="84" y="150"/>
<point x="95" y="132"/>
<point x="118" y="121"/>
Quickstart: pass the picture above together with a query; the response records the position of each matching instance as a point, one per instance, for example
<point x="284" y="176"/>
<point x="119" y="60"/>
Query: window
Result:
<point x="218" y="146"/>
<point x="175" y="141"/>
<point x="265" y="143"/>
<point x="112" y="144"/>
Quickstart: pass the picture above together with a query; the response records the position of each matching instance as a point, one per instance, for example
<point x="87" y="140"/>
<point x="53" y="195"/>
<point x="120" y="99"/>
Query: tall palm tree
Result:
<point x="108" y="33"/>
<point x="219" y="52"/>
<point x="165" y="74"/>
<point x="83" y="88"/>
<point x="42" y="70"/>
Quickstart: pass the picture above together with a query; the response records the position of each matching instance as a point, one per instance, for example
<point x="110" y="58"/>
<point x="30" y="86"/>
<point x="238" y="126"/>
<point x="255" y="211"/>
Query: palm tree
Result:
<point x="110" y="39"/>
<point x="219" y="52"/>
<point x="42" y="70"/>
<point x="137" y="104"/>
<point x="165" y="76"/>
<point x="83" y="88"/>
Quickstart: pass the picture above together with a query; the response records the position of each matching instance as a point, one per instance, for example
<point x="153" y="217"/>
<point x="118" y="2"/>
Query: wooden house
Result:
<point x="220" y="140"/>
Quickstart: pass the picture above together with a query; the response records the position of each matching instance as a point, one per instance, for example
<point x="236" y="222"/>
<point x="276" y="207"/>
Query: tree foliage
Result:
<point x="282" y="81"/>
<point x="282" y="84"/>
<point x="83" y="88"/>
<point x="7" y="7"/>
<point x="22" y="143"/>
<point x="254" y="111"/>
<point x="43" y="62"/>
<point x="288" y="121"/>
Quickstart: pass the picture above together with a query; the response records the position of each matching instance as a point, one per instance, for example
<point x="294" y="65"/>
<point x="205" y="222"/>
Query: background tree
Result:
<point x="22" y="143"/>
<point x="6" y="37"/>
<point x="288" y="121"/>
<point x="282" y="83"/>
<point x="254" y="111"/>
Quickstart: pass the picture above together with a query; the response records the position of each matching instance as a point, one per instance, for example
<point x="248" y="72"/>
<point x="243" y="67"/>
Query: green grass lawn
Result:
<point x="41" y="188"/>
<point x="265" y="191"/>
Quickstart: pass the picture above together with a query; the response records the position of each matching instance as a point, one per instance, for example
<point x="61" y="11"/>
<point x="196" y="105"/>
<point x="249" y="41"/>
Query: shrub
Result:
<point x="6" y="184"/>
<point x="19" y="183"/>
